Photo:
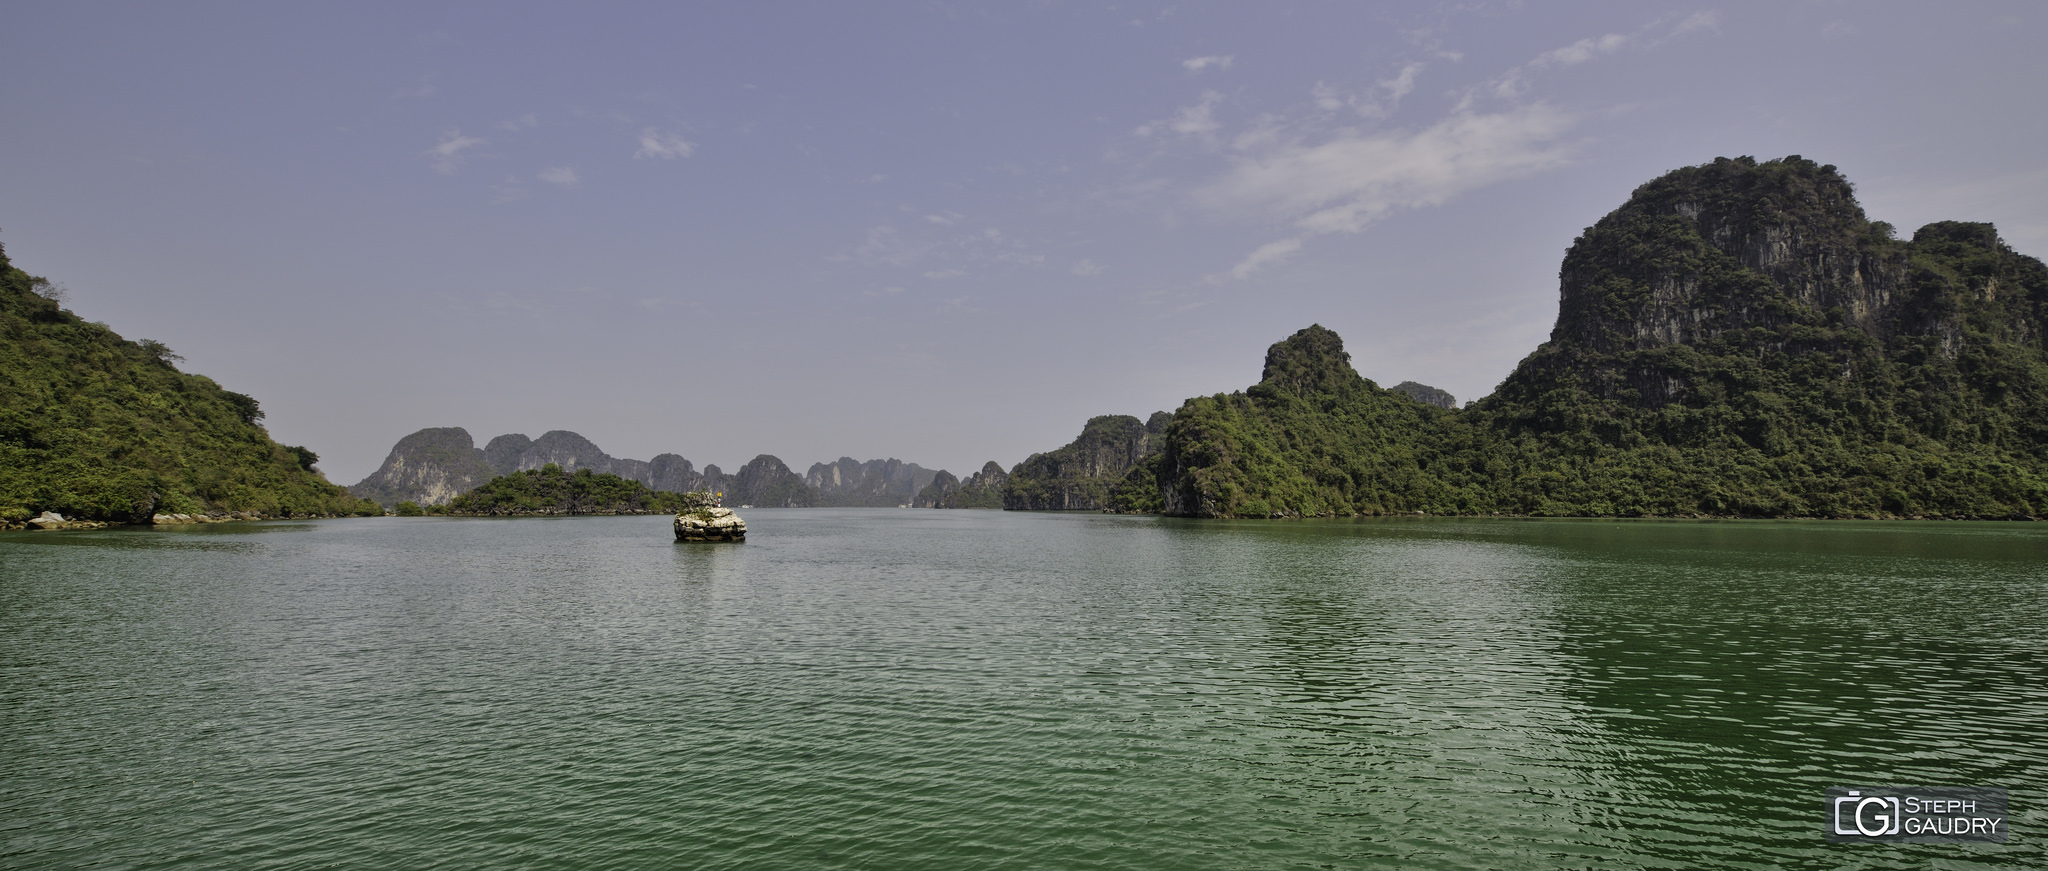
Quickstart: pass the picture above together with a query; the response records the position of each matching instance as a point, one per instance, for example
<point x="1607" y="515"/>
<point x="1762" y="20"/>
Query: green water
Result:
<point x="971" y="689"/>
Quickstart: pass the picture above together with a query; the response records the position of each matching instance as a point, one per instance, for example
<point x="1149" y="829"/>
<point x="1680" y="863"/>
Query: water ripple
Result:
<point x="875" y="689"/>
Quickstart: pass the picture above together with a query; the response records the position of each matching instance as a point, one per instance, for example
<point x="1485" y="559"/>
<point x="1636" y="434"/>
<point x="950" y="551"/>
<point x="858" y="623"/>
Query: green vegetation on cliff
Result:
<point x="95" y="426"/>
<point x="550" y="490"/>
<point x="1081" y="475"/>
<point x="1737" y="339"/>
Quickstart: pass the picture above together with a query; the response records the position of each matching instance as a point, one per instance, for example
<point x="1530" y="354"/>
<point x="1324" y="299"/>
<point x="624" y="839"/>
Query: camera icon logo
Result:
<point x="1872" y="816"/>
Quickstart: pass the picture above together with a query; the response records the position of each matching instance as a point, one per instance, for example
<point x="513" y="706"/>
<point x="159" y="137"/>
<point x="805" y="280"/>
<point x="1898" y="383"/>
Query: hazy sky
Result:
<point x="943" y="232"/>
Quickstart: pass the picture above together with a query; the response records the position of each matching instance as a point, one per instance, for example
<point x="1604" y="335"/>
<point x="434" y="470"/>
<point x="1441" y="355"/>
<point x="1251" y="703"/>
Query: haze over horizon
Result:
<point x="941" y="232"/>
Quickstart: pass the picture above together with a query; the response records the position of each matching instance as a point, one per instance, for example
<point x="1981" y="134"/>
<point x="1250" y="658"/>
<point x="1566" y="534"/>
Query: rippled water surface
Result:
<point x="970" y="689"/>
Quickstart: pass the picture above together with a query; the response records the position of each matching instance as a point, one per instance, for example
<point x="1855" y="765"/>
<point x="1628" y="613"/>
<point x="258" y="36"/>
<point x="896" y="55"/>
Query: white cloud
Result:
<point x="1378" y="102"/>
<point x="1269" y="253"/>
<point x="418" y="90"/>
<point x="667" y="146"/>
<point x="941" y="220"/>
<point x="1403" y="84"/>
<point x="1086" y="268"/>
<point x="523" y="122"/>
<point x="1352" y="179"/>
<point x="448" y="156"/>
<point x="1580" y="52"/>
<point x="1190" y="120"/>
<point x="560" y="176"/>
<point x="1219" y="61"/>
<point x="943" y="274"/>
<point x="1707" y="20"/>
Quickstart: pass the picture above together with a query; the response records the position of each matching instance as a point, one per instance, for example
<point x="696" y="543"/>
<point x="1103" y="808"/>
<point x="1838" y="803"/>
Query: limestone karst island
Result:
<point x="1738" y="339"/>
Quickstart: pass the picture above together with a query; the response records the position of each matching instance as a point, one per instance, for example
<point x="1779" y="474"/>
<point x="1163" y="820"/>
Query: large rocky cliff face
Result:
<point x="1735" y="339"/>
<point x="765" y="482"/>
<point x="875" y="483"/>
<point x="428" y="467"/>
<point x="437" y="464"/>
<point x="983" y="489"/>
<point x="1775" y="261"/>
<point x="1079" y="476"/>
<point x="1754" y="302"/>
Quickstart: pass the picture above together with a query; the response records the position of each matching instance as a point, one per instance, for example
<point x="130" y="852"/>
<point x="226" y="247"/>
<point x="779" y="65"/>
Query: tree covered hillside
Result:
<point x="95" y="426"/>
<point x="1737" y="339"/>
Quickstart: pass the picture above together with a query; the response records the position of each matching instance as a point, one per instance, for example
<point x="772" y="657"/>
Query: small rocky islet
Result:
<point x="711" y="522"/>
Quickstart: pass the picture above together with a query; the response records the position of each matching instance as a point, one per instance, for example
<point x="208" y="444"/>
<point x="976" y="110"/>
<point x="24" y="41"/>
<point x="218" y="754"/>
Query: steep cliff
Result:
<point x="428" y="467"/>
<point x="434" y="465"/>
<point x="875" y="483"/>
<point x="765" y="482"/>
<point x="1736" y="339"/>
<point x="503" y="452"/>
<point x="939" y="493"/>
<point x="983" y="489"/>
<point x="1426" y="394"/>
<point x="1079" y="476"/>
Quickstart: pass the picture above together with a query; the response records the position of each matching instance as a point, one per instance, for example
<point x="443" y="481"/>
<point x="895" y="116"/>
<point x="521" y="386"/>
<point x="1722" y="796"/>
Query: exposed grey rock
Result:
<point x="1078" y="477"/>
<point x="1426" y="394"/>
<point x="878" y="483"/>
<point x="710" y="524"/>
<point x="429" y="467"/>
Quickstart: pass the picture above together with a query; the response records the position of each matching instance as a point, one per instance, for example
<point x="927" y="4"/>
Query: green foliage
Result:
<point x="550" y="490"/>
<point x="409" y="508"/>
<point x="1736" y="340"/>
<point x="1082" y="474"/>
<point x="94" y="426"/>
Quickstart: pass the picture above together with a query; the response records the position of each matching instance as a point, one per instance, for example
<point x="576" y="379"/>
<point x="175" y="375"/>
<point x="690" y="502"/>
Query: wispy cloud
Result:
<point x="523" y="122"/>
<point x="1086" y="268"/>
<point x="1269" y="253"/>
<point x="448" y="156"/>
<point x="560" y="176"/>
<point x="1198" y="119"/>
<point x="419" y="90"/>
<point x="1198" y="64"/>
<point x="666" y="146"/>
<point x="940" y="250"/>
<point x="1376" y="102"/>
<point x="1352" y="178"/>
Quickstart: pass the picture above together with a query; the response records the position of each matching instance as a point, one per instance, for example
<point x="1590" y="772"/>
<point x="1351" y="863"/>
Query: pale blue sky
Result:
<point x="943" y="232"/>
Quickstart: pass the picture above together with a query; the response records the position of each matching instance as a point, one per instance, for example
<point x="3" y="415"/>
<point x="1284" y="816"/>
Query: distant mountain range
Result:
<point x="434" y="465"/>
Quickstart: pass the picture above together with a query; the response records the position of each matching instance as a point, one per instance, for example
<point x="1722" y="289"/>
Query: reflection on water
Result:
<point x="902" y="689"/>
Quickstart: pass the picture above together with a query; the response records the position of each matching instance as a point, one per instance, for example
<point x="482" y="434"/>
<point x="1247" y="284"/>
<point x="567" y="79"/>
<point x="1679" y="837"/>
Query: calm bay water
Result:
<point x="953" y="689"/>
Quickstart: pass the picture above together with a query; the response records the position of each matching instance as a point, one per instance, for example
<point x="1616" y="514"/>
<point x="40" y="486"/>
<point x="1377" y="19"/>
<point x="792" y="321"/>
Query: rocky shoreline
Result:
<point x="51" y="520"/>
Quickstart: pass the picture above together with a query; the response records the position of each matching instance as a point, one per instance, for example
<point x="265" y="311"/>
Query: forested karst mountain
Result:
<point x="429" y="467"/>
<point x="1736" y="339"/>
<point x="983" y="489"/>
<point x="433" y="466"/>
<point x="875" y="483"/>
<point x="1313" y="437"/>
<point x="1426" y="394"/>
<point x="1079" y="476"/>
<point x="94" y="426"/>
